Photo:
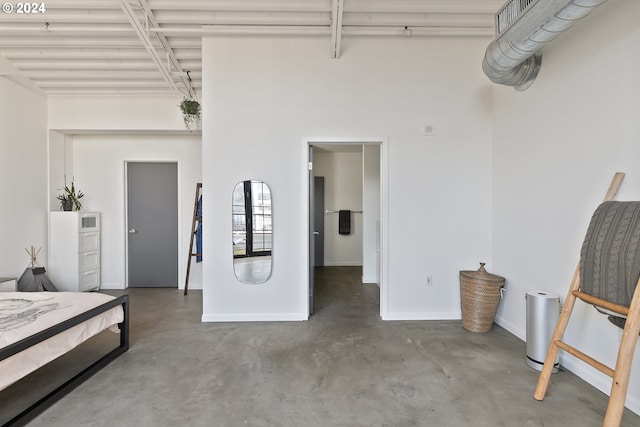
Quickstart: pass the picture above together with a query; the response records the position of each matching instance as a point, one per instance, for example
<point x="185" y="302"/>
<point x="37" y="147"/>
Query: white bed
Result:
<point x="38" y="327"/>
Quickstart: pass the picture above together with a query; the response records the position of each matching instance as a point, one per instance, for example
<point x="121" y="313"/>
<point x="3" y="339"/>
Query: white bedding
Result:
<point x="24" y="313"/>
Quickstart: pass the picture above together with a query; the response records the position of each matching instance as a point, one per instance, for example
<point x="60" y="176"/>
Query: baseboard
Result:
<point x="249" y="317"/>
<point x="371" y="280"/>
<point x="443" y="315"/>
<point x="342" y="264"/>
<point x="511" y="328"/>
<point x="594" y="378"/>
<point x="600" y="381"/>
<point x="113" y="286"/>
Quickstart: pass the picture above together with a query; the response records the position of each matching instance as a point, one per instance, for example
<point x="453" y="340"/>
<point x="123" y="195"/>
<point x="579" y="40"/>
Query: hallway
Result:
<point x="343" y="367"/>
<point x="340" y="296"/>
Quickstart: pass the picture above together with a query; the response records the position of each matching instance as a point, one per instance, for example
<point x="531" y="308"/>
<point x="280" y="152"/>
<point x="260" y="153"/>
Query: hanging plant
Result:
<point x="191" y="113"/>
<point x="190" y="108"/>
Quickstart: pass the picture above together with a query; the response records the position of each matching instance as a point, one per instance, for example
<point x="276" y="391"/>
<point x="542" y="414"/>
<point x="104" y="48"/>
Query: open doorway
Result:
<point x="345" y="212"/>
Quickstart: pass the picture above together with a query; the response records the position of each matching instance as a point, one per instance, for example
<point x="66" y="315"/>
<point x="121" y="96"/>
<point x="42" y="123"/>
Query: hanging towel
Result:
<point x="344" y="222"/>
<point x="199" y="231"/>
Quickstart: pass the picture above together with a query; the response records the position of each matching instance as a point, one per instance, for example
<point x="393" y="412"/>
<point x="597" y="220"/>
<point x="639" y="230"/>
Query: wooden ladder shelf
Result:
<point x="620" y="374"/>
<point x="197" y="219"/>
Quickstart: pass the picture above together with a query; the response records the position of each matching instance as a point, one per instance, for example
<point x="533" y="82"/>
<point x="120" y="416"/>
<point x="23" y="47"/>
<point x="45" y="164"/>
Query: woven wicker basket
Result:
<point x="479" y="298"/>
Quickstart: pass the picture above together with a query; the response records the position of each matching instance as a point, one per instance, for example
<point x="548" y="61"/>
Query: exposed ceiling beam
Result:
<point x="246" y="18"/>
<point x="89" y="5"/>
<point x="116" y="90"/>
<point x="311" y="30"/>
<point x="171" y="57"/>
<point x="421" y="6"/>
<point x="157" y="84"/>
<point x="66" y="75"/>
<point x="347" y="30"/>
<point x="241" y="6"/>
<point x="423" y="19"/>
<point x="418" y="31"/>
<point x="95" y="73"/>
<point x="61" y="52"/>
<point x="71" y="42"/>
<point x="82" y="17"/>
<point x="57" y="30"/>
<point x="104" y="65"/>
<point x="336" y="27"/>
<point x="103" y="44"/>
<point x="148" y="44"/>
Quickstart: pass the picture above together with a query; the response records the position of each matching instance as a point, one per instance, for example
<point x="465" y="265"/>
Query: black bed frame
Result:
<point x="38" y="407"/>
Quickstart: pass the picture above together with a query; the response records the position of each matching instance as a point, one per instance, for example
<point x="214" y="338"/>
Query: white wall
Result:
<point x="101" y="133"/>
<point x="264" y="97"/>
<point x="556" y="148"/>
<point x="342" y="190"/>
<point x="99" y="170"/>
<point x="23" y="187"/>
<point x="56" y="162"/>
<point x="371" y="213"/>
<point x="115" y="113"/>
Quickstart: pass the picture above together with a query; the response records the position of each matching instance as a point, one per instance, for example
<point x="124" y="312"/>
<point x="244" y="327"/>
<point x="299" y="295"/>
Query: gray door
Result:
<point x="318" y="214"/>
<point x="152" y="218"/>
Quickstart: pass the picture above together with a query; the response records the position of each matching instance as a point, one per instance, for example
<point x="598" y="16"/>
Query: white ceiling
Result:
<point x="147" y="46"/>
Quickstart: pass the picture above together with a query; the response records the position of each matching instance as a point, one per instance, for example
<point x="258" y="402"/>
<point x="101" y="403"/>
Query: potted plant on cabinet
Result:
<point x="70" y="198"/>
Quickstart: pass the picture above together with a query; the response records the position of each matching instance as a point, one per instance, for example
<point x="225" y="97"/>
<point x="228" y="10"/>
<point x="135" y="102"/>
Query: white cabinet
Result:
<point x="74" y="250"/>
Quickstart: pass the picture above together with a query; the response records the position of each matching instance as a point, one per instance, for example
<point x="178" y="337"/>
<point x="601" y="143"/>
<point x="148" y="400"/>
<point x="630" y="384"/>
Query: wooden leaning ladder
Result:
<point x="619" y="375"/>
<point x="194" y="224"/>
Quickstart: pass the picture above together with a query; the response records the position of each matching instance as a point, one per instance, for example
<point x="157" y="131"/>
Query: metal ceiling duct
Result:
<point x="523" y="28"/>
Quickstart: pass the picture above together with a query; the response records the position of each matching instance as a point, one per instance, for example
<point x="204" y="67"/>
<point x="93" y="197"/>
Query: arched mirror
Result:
<point x="252" y="231"/>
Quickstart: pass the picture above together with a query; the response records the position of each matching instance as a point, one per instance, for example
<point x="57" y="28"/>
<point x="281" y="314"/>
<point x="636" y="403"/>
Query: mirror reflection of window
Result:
<point x="252" y="231"/>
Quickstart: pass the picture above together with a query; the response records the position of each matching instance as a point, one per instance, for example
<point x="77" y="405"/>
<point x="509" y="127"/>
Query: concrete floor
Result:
<point x="344" y="367"/>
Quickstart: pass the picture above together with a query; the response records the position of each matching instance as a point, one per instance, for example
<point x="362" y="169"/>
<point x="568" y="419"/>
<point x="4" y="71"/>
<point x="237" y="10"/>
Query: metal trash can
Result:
<point x="480" y="293"/>
<point x="543" y="311"/>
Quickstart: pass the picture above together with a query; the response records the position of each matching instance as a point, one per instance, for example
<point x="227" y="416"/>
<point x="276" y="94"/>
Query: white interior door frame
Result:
<point x="384" y="208"/>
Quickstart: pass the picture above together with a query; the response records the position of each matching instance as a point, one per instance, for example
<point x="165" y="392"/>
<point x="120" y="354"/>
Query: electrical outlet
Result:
<point x="429" y="280"/>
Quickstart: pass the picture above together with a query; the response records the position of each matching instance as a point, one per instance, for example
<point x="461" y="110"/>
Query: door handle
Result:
<point x="132" y="231"/>
<point x="316" y="233"/>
